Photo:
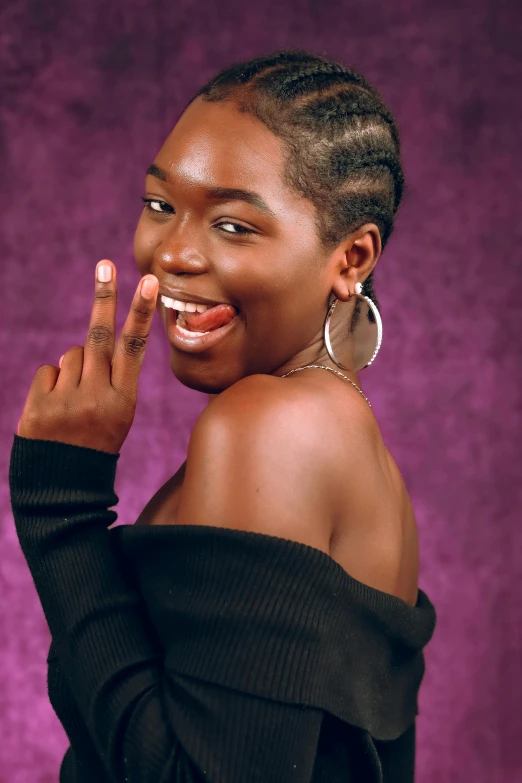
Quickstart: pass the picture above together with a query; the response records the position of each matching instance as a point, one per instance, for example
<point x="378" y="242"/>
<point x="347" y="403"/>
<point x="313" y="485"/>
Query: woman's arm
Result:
<point x="149" y="724"/>
<point x="60" y="495"/>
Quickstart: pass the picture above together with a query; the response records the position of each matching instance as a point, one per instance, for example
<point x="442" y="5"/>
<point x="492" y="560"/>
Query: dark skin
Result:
<point x="279" y="277"/>
<point x="282" y="281"/>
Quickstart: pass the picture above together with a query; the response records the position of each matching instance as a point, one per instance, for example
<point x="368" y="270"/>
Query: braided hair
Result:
<point x="342" y="141"/>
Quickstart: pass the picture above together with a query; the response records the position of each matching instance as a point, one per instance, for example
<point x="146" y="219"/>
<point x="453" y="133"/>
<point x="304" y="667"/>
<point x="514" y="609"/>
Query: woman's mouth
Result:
<point x="195" y="341"/>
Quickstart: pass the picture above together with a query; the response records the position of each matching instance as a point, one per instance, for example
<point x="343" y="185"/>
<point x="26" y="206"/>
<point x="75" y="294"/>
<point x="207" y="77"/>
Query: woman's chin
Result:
<point x="192" y="376"/>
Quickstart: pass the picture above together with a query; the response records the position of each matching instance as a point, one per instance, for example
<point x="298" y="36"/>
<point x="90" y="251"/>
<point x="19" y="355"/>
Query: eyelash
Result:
<point x="149" y="201"/>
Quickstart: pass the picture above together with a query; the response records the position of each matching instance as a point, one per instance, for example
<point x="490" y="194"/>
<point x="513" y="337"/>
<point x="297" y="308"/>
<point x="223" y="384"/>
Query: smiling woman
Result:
<point x="262" y="620"/>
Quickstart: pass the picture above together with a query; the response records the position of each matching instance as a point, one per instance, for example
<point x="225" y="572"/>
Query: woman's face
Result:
<point x="267" y="262"/>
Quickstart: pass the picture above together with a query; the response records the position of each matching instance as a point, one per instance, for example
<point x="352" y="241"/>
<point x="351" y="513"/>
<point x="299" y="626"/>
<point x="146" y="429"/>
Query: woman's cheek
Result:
<point x="143" y="249"/>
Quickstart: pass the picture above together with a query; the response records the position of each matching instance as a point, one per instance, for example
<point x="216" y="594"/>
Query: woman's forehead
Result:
<point x="216" y="139"/>
<point x="215" y="146"/>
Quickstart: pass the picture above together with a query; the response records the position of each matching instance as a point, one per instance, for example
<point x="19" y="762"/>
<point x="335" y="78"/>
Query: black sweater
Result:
<point x="186" y="653"/>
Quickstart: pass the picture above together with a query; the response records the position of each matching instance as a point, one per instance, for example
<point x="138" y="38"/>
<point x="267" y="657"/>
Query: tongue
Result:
<point x="211" y="319"/>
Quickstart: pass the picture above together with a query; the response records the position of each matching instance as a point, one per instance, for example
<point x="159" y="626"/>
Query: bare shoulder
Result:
<point x="257" y="461"/>
<point x="256" y="399"/>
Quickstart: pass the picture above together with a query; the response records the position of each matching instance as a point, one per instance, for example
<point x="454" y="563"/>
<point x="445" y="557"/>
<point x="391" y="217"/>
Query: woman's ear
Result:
<point x="354" y="260"/>
<point x="365" y="249"/>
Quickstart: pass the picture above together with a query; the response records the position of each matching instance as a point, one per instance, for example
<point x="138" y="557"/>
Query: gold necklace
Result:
<point x="322" y="367"/>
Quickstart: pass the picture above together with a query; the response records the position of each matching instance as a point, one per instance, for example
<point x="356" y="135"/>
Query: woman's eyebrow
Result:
<point x="237" y="194"/>
<point x="230" y="194"/>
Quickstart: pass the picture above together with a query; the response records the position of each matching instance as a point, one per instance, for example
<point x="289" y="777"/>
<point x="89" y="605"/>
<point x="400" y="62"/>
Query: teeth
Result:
<point x="189" y="307"/>
<point x="187" y="332"/>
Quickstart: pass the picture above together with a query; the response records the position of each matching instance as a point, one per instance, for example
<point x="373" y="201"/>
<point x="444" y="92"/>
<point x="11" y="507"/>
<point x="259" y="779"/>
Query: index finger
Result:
<point x="130" y="350"/>
<point x="99" y="344"/>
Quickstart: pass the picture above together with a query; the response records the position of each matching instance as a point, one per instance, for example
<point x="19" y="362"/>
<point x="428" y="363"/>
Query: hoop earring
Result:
<point x="378" y="321"/>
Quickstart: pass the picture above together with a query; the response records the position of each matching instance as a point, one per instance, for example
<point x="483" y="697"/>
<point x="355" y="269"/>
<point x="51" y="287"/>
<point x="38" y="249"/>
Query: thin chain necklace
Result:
<point x="322" y="367"/>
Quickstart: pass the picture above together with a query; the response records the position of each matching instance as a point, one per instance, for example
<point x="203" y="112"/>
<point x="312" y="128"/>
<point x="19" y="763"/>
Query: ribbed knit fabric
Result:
<point x="187" y="653"/>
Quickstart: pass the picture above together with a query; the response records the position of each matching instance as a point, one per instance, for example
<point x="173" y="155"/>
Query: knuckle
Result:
<point x="99" y="335"/>
<point x="67" y="406"/>
<point x="133" y="344"/>
<point x="103" y="294"/>
<point x="91" y="410"/>
<point x="32" y="416"/>
<point x="142" y="315"/>
<point x="76" y="349"/>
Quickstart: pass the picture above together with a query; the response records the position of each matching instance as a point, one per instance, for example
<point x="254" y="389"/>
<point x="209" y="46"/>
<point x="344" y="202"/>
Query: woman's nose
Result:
<point x="176" y="261"/>
<point x="179" y="252"/>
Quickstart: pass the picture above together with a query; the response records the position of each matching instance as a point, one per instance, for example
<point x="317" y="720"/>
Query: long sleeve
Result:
<point x="200" y="654"/>
<point x="109" y="651"/>
<point x="107" y="647"/>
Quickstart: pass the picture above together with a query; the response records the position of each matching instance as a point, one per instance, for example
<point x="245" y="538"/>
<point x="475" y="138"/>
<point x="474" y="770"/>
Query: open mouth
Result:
<point x="206" y="318"/>
<point x="194" y="341"/>
<point x="203" y="322"/>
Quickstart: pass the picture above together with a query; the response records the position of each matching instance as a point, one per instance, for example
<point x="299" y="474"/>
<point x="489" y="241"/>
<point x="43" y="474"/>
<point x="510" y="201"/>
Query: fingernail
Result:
<point x="148" y="287"/>
<point x="104" y="272"/>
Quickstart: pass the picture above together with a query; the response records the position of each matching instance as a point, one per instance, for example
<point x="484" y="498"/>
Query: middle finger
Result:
<point x="99" y="344"/>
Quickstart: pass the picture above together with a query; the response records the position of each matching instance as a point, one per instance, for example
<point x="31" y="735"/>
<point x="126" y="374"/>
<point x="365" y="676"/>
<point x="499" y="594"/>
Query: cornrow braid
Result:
<point x="240" y="73"/>
<point x="295" y="79"/>
<point x="342" y="141"/>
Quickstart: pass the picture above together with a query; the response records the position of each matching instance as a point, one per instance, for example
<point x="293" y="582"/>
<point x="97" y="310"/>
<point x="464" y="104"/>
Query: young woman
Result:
<point x="262" y="619"/>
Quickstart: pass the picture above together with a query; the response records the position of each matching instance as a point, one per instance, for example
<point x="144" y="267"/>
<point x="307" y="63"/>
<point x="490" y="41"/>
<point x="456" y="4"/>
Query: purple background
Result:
<point x="88" y="96"/>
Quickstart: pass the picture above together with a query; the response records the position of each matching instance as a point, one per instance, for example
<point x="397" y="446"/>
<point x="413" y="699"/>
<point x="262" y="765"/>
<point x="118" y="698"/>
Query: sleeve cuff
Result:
<point x="37" y="465"/>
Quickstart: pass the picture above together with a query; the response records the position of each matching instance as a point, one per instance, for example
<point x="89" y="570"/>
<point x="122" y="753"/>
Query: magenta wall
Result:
<point x="87" y="98"/>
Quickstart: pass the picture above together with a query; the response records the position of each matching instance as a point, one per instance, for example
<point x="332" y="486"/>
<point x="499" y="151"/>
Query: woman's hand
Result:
<point x="90" y="400"/>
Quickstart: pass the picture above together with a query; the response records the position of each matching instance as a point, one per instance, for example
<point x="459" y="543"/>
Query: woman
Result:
<point x="262" y="620"/>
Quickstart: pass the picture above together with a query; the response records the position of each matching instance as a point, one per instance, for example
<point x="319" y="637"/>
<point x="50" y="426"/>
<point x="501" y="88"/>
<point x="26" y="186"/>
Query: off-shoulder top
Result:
<point x="189" y="653"/>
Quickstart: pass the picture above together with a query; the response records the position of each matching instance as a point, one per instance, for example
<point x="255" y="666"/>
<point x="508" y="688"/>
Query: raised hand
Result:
<point x="90" y="399"/>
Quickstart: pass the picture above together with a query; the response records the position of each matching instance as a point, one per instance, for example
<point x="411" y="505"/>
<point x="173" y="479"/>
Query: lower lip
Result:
<point x="195" y="344"/>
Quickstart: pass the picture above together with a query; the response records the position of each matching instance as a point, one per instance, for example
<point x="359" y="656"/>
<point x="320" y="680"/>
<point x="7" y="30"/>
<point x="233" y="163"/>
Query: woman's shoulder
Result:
<point x="308" y="428"/>
<point x="291" y="422"/>
<point x="260" y="388"/>
<point x="258" y="461"/>
<point x="257" y="395"/>
<point x="325" y="446"/>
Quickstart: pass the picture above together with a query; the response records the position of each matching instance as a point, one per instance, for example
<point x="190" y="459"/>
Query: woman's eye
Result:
<point x="242" y="229"/>
<point x="149" y="204"/>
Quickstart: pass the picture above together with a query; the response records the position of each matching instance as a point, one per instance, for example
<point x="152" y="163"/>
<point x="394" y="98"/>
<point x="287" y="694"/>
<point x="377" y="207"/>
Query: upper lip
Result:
<point x="184" y="296"/>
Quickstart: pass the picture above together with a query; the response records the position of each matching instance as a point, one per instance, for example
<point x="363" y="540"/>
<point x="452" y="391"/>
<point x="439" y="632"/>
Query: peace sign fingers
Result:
<point x="128" y="355"/>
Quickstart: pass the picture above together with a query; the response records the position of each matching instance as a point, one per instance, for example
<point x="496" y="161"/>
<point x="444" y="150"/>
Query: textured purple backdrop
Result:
<point x="88" y="95"/>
